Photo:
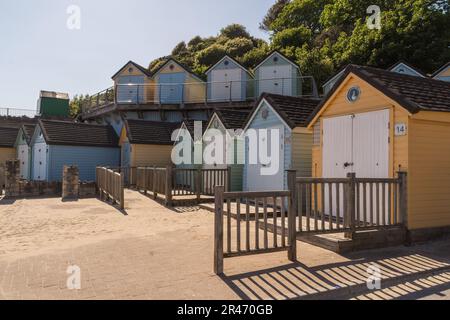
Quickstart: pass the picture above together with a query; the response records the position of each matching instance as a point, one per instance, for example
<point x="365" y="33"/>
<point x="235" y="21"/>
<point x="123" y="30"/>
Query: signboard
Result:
<point x="400" y="129"/>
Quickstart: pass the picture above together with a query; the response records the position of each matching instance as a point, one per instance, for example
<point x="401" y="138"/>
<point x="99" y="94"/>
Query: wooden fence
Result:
<point x="111" y="185"/>
<point x="175" y="183"/>
<point x="130" y="175"/>
<point x="349" y="204"/>
<point x="264" y="222"/>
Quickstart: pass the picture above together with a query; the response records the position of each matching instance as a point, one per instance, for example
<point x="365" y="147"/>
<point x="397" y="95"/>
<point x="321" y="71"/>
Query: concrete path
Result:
<point x="150" y="252"/>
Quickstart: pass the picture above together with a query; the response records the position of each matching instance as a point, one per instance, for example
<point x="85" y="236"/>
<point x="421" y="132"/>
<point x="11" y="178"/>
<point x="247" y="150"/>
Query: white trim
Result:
<point x="228" y="57"/>
<point x="167" y="62"/>
<point x="276" y="52"/>
<point x="436" y="77"/>
<point x="336" y="77"/>
<point x="256" y="112"/>
<point x="406" y="67"/>
<point x="183" y="127"/>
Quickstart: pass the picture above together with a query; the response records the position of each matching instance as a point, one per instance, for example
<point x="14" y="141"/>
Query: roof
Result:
<point x="334" y="76"/>
<point x="409" y="66"/>
<point x="141" y="68"/>
<point x="16" y="122"/>
<point x="54" y="95"/>
<point x="281" y="54"/>
<point x="233" y="118"/>
<point x="150" y="132"/>
<point x="28" y="130"/>
<point x="444" y="67"/>
<point x="227" y="57"/>
<point x="8" y="136"/>
<point x="295" y="111"/>
<point x="190" y="125"/>
<point x="78" y="134"/>
<point x="413" y="93"/>
<point x="177" y="62"/>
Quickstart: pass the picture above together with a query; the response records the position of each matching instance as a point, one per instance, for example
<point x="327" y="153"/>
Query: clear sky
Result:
<point x="38" y="50"/>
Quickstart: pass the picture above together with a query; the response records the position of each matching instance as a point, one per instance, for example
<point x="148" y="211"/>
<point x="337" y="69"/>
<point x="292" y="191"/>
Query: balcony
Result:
<point x="207" y="93"/>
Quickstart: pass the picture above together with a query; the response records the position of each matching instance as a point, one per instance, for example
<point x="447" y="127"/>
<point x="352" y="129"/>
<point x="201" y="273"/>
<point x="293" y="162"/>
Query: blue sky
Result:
<point x="38" y="51"/>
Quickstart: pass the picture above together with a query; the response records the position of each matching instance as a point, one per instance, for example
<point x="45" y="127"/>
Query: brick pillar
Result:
<point x="70" y="183"/>
<point x="12" y="178"/>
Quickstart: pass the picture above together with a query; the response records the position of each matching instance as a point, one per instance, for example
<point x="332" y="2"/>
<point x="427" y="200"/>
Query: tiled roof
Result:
<point x="233" y="118"/>
<point x="294" y="110"/>
<point x="28" y="129"/>
<point x="150" y="132"/>
<point x="8" y="136"/>
<point x="413" y="93"/>
<point x="78" y="134"/>
<point x="190" y="125"/>
<point x="16" y="122"/>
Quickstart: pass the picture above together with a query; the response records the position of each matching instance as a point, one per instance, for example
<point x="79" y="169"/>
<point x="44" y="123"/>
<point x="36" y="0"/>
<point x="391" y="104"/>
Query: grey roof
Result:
<point x="150" y="132"/>
<point x="8" y="136"/>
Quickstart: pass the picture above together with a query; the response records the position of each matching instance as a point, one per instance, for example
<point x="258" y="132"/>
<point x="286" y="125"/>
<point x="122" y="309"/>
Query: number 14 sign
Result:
<point x="400" y="129"/>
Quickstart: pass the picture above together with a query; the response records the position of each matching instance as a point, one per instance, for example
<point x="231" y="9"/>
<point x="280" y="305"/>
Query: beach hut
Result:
<point x="190" y="135"/>
<point x="224" y="121"/>
<point x="23" y="150"/>
<point x="176" y="84"/>
<point x="58" y="143"/>
<point x="8" y="137"/>
<point x="279" y="75"/>
<point x="442" y="73"/>
<point x="228" y="80"/>
<point x="146" y="143"/>
<point x="405" y="68"/>
<point x="376" y="123"/>
<point x="285" y="119"/>
<point x="133" y="84"/>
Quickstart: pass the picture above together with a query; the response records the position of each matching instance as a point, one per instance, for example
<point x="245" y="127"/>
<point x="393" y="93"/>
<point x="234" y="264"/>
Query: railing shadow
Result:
<point x="333" y="281"/>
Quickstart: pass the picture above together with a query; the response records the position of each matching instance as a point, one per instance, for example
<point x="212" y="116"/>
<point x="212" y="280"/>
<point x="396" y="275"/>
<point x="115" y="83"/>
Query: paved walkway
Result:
<point x="155" y="253"/>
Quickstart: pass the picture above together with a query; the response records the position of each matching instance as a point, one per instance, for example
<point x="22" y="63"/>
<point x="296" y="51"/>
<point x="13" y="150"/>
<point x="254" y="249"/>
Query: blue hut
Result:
<point x="58" y="143"/>
<point x="228" y="80"/>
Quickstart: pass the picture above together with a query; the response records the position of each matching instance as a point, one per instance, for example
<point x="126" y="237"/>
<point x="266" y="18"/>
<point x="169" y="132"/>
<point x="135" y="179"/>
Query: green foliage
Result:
<point x="201" y="53"/>
<point x="76" y="103"/>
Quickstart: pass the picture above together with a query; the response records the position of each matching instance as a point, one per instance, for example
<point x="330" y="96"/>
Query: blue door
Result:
<point x="171" y="87"/>
<point x="131" y="89"/>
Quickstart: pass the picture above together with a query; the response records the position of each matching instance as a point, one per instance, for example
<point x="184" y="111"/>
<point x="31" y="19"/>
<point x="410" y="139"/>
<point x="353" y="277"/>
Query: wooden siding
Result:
<point x="7" y="154"/>
<point x="150" y="155"/>
<point x="282" y="61"/>
<point x="429" y="174"/>
<point x="302" y="154"/>
<point x="86" y="158"/>
<point x="149" y="91"/>
<point x="371" y="100"/>
<point x="272" y="120"/>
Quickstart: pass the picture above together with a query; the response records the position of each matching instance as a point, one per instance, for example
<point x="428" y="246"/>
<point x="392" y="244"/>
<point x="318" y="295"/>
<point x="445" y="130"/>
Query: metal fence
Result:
<point x="199" y="92"/>
<point x="14" y="112"/>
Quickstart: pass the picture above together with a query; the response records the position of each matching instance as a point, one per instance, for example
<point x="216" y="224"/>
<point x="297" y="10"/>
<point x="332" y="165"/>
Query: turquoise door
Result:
<point x="171" y="88"/>
<point x="131" y="89"/>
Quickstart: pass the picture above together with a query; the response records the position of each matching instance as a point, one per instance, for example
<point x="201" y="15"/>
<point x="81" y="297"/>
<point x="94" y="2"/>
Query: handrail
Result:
<point x="200" y="92"/>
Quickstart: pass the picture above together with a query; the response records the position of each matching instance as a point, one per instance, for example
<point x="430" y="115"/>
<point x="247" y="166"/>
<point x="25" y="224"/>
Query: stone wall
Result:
<point x="71" y="183"/>
<point x="16" y="188"/>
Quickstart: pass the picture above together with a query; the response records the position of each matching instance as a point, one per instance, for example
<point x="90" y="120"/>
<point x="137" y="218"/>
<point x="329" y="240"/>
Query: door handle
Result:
<point x="348" y="164"/>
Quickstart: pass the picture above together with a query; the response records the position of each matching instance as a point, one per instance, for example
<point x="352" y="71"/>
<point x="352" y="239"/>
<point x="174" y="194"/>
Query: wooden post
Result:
<point x="198" y="184"/>
<point x="350" y="204"/>
<point x="218" y="230"/>
<point x="169" y="181"/>
<point x="229" y="178"/>
<point x="292" y="233"/>
<point x="403" y="197"/>
<point x="154" y="183"/>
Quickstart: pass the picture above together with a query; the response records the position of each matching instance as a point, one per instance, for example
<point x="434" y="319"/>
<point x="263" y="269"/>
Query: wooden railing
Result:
<point x="252" y="223"/>
<point x="111" y="186"/>
<point x="176" y="182"/>
<point x="349" y="204"/>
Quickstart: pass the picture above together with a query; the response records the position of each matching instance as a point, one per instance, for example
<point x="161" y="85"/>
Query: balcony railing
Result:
<point x="203" y="92"/>
<point x="14" y="112"/>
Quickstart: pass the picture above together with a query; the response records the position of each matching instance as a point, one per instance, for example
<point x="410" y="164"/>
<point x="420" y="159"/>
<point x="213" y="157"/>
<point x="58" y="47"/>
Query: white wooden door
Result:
<point x="226" y="84"/>
<point x="276" y="79"/>
<point x="355" y="143"/>
<point x="22" y="151"/>
<point x="256" y="181"/>
<point x="40" y="162"/>
<point x="337" y="156"/>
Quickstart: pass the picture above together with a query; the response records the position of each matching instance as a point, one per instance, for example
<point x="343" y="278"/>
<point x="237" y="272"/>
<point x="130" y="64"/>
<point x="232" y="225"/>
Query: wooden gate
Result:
<point x="247" y="223"/>
<point x="111" y="185"/>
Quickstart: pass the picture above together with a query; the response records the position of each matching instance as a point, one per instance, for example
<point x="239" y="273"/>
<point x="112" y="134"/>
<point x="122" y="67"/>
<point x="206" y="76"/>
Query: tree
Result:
<point x="272" y="14"/>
